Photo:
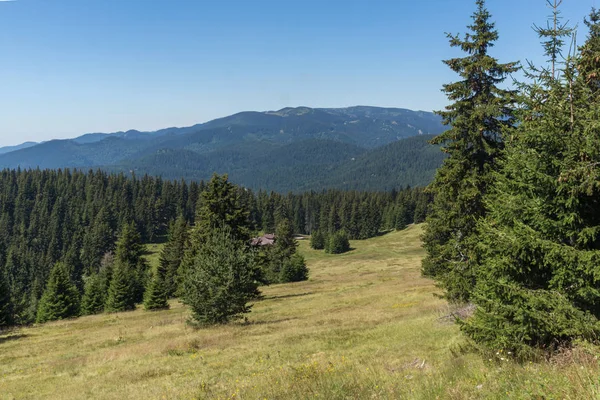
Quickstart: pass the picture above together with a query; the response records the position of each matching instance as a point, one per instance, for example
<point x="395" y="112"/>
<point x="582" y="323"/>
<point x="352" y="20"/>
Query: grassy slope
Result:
<point x="366" y="325"/>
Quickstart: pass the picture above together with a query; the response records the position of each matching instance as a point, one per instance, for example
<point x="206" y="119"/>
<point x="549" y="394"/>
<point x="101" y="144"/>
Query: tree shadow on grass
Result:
<point x="270" y="322"/>
<point x="7" y="337"/>
<point x="287" y="296"/>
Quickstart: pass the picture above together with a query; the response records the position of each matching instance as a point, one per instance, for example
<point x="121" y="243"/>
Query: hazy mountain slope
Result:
<point x="8" y="149"/>
<point x="313" y="164"/>
<point x="367" y="127"/>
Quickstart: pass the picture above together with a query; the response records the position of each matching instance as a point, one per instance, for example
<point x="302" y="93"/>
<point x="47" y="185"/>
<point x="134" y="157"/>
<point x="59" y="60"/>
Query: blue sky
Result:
<point x="70" y="67"/>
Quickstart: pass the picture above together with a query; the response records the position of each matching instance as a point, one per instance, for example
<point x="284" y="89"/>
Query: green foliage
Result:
<point x="156" y="294"/>
<point x="129" y="252"/>
<point x="129" y="248"/>
<point x="479" y="118"/>
<point x="221" y="205"/>
<point x="172" y="255"/>
<point x="94" y="295"/>
<point x="276" y="258"/>
<point x="338" y="243"/>
<point x="75" y="217"/>
<point x="318" y="240"/>
<point x="60" y="299"/>
<point x="6" y="307"/>
<point x="220" y="281"/>
<point x="121" y="296"/>
<point x="294" y="269"/>
<point x="538" y="288"/>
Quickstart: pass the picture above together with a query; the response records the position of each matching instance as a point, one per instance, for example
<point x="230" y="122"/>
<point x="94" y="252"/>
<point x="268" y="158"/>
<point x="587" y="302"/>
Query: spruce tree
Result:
<point x="281" y="252"/>
<point x="317" y="240"/>
<point x="538" y="288"/>
<point x="156" y="294"/>
<point x="338" y="243"/>
<point x="129" y="252"/>
<point x="479" y="118"/>
<point x="173" y="253"/>
<point x="121" y="296"/>
<point x="221" y="205"/>
<point x="6" y="307"/>
<point x="60" y="299"/>
<point x="294" y="269"/>
<point x="220" y="282"/>
<point x="94" y="295"/>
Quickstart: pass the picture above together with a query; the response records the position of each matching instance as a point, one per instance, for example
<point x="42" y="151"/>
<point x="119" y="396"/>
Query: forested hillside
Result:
<point x="314" y="164"/>
<point x="78" y="220"/>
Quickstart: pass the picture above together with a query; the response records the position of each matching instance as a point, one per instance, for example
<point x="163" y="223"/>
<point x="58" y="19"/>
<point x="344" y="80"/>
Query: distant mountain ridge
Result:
<point x="8" y="149"/>
<point x="271" y="141"/>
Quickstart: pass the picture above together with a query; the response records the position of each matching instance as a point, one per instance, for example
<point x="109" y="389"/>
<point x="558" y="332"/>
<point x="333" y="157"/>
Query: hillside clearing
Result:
<point x="366" y="325"/>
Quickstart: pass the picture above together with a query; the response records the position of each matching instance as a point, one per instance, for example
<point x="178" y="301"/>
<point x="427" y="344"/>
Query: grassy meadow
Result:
<point x="365" y="326"/>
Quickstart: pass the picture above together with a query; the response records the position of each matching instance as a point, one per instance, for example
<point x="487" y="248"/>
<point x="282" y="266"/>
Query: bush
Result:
<point x="338" y="243"/>
<point x="317" y="240"/>
<point x="294" y="270"/>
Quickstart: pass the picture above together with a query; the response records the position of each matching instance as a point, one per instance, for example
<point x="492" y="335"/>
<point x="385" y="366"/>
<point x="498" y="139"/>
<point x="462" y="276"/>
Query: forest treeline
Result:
<point x="87" y="220"/>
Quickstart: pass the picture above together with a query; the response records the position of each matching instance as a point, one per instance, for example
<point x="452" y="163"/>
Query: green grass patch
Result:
<point x="366" y="325"/>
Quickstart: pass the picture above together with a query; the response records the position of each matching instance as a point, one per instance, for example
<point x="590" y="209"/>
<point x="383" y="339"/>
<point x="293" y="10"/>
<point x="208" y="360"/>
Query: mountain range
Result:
<point x="294" y="149"/>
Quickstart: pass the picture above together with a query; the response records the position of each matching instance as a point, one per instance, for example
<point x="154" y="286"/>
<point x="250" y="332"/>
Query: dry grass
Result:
<point x="366" y="325"/>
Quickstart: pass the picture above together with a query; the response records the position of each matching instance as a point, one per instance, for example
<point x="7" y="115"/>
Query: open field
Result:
<point x="365" y="326"/>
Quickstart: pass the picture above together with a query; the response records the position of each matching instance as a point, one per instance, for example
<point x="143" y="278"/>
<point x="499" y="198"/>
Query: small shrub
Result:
<point x="317" y="240"/>
<point x="338" y="243"/>
<point x="294" y="270"/>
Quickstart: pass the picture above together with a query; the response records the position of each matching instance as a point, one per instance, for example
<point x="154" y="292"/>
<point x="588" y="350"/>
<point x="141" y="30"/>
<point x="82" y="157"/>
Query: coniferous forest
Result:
<point x="81" y="235"/>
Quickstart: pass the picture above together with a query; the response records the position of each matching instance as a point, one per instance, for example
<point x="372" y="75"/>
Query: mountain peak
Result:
<point x="291" y="111"/>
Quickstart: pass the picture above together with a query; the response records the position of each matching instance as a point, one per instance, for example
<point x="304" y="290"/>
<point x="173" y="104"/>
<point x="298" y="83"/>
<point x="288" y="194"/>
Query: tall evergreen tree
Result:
<point x="6" y="308"/>
<point x="61" y="298"/>
<point x="173" y="253"/>
<point x="121" y="296"/>
<point x="129" y="252"/>
<point x="539" y="286"/>
<point x="221" y="205"/>
<point x="156" y="297"/>
<point x="220" y="282"/>
<point x="281" y="252"/>
<point x="94" y="295"/>
<point x="479" y="118"/>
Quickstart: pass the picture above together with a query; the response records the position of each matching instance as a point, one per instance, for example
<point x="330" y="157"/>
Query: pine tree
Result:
<point x="156" y="295"/>
<point x="281" y="252"/>
<point x="129" y="252"/>
<point x="172" y="255"/>
<point x="338" y="243"/>
<point x="401" y="214"/>
<point x="121" y="296"/>
<point x="539" y="288"/>
<point x="221" y="205"/>
<point x="479" y="118"/>
<point x="317" y="240"/>
<point x="6" y="307"/>
<point x="294" y="269"/>
<point x="60" y="299"/>
<point x="220" y="282"/>
<point x="94" y="295"/>
<point x="129" y="245"/>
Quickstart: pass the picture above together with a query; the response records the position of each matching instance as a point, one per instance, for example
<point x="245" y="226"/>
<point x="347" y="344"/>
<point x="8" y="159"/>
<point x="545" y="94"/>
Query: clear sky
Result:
<point x="69" y="67"/>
